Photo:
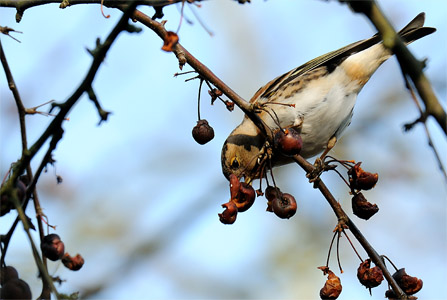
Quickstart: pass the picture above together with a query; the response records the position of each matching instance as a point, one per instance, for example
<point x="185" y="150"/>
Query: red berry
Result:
<point x="228" y="216"/>
<point x="202" y="132"/>
<point x="52" y="247"/>
<point x="288" y="141"/>
<point x="271" y="193"/>
<point x="245" y="198"/>
<point x="234" y="186"/>
<point x="284" y="206"/>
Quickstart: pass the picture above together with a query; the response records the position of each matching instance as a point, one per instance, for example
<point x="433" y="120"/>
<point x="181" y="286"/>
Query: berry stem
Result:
<point x="330" y="248"/>
<point x="198" y="100"/>
<point x="352" y="245"/>
<point x="338" y="250"/>
<point x="394" y="266"/>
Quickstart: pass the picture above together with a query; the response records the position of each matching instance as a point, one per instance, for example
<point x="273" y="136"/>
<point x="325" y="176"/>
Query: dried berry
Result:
<point x="15" y="289"/>
<point x="360" y="179"/>
<point x="52" y="247"/>
<point x="362" y="208"/>
<point x="229" y="105"/>
<point x="202" y="132"/>
<point x="170" y="40"/>
<point x="242" y="194"/>
<point x="245" y="198"/>
<point x="288" y="141"/>
<point x="73" y="263"/>
<point x="228" y="216"/>
<point x="234" y="186"/>
<point x="270" y="194"/>
<point x="284" y="206"/>
<point x="332" y="287"/>
<point x="214" y="93"/>
<point x="369" y="277"/>
<point x="8" y="273"/>
<point x="410" y="285"/>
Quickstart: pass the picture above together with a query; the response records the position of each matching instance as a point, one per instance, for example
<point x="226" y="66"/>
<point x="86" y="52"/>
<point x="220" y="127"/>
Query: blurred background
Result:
<point x="139" y="198"/>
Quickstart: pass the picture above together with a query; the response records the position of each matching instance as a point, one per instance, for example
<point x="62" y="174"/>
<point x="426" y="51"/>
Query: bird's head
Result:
<point x="241" y="151"/>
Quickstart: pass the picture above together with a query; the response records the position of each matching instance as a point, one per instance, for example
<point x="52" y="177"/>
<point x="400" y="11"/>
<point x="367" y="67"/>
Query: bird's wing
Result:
<point x="331" y="60"/>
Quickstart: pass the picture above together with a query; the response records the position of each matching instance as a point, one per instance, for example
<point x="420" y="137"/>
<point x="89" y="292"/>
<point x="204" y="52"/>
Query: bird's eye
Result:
<point x="234" y="163"/>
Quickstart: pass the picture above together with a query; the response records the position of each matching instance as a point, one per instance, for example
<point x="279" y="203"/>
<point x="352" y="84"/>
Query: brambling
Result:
<point x="316" y="99"/>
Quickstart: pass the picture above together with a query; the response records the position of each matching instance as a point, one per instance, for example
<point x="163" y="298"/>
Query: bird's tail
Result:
<point x="415" y="30"/>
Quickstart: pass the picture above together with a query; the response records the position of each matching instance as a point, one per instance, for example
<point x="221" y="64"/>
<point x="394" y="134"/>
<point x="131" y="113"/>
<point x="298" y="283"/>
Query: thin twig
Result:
<point x="427" y="132"/>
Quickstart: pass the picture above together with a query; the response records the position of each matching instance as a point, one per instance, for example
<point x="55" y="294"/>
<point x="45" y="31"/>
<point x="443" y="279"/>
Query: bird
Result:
<point x="316" y="99"/>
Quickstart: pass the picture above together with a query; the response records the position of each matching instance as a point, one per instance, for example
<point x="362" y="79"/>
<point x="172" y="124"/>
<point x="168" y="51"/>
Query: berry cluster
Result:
<point x="370" y="278"/>
<point x="282" y="204"/>
<point x="242" y="197"/>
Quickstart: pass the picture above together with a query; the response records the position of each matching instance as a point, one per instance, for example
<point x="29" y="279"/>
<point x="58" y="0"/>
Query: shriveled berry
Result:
<point x="284" y="206"/>
<point x="288" y="141"/>
<point x="73" y="263"/>
<point x="360" y="179"/>
<point x="15" y="289"/>
<point x="362" y="208"/>
<point x="52" y="247"/>
<point x="202" y="132"/>
<point x="245" y="198"/>
<point x="228" y="216"/>
<point x="332" y="287"/>
<point x="169" y="42"/>
<point x="271" y="193"/>
<point x="8" y="273"/>
<point x="410" y="285"/>
<point x="369" y="277"/>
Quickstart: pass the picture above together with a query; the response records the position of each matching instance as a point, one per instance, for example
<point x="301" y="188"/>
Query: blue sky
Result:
<point x="140" y="198"/>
